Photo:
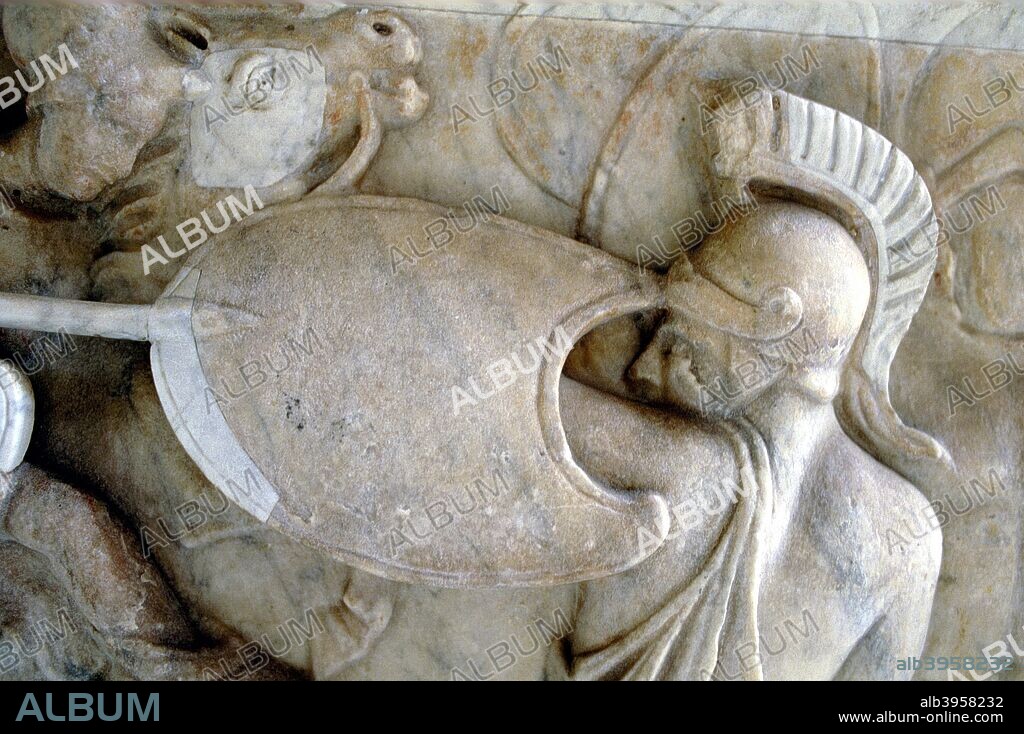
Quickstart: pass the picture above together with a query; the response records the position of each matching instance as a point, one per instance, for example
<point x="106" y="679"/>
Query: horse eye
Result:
<point x="382" y="29"/>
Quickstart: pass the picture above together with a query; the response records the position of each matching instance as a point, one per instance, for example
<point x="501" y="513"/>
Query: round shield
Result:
<point x="378" y="379"/>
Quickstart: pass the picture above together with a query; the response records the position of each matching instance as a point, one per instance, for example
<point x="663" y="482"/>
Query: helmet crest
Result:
<point x="818" y="156"/>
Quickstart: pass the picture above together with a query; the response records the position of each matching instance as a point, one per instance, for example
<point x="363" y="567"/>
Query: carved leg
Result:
<point x="124" y="599"/>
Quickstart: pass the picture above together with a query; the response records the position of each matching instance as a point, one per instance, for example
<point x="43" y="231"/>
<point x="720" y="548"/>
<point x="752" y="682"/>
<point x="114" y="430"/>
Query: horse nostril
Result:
<point x="382" y="29"/>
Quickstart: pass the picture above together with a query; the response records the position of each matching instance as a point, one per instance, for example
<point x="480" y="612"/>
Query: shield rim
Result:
<point x="206" y="436"/>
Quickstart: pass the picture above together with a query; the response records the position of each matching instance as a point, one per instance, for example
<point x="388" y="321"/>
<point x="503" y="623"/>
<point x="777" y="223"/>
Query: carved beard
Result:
<point x="680" y="384"/>
<point x="691" y="390"/>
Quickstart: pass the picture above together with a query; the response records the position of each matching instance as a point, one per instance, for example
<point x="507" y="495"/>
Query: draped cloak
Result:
<point x="713" y="615"/>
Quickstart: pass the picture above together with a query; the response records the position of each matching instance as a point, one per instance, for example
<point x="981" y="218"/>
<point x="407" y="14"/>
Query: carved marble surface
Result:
<point x="499" y="341"/>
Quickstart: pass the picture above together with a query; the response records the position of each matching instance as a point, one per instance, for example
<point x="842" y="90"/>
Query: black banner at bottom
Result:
<point x="849" y="706"/>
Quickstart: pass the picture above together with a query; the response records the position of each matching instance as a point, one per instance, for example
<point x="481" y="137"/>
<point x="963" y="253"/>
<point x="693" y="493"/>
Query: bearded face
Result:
<point x="701" y="370"/>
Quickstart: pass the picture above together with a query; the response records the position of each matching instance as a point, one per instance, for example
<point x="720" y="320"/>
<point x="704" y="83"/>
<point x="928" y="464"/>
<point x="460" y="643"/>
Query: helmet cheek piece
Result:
<point x="818" y="155"/>
<point x="775" y="317"/>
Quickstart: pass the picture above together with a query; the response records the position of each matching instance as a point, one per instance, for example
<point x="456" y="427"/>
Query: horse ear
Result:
<point x="17" y="415"/>
<point x="181" y="34"/>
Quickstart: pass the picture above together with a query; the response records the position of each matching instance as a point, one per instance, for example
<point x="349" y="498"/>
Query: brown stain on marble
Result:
<point x="466" y="52"/>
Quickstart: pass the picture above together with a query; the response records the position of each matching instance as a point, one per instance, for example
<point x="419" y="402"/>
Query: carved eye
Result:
<point x="382" y="29"/>
<point x="188" y="34"/>
<point x="183" y="36"/>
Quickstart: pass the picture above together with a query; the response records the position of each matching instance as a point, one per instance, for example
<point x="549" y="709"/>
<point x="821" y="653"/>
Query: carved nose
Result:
<point x="409" y="50"/>
<point x="647" y="371"/>
<point x="404" y="45"/>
